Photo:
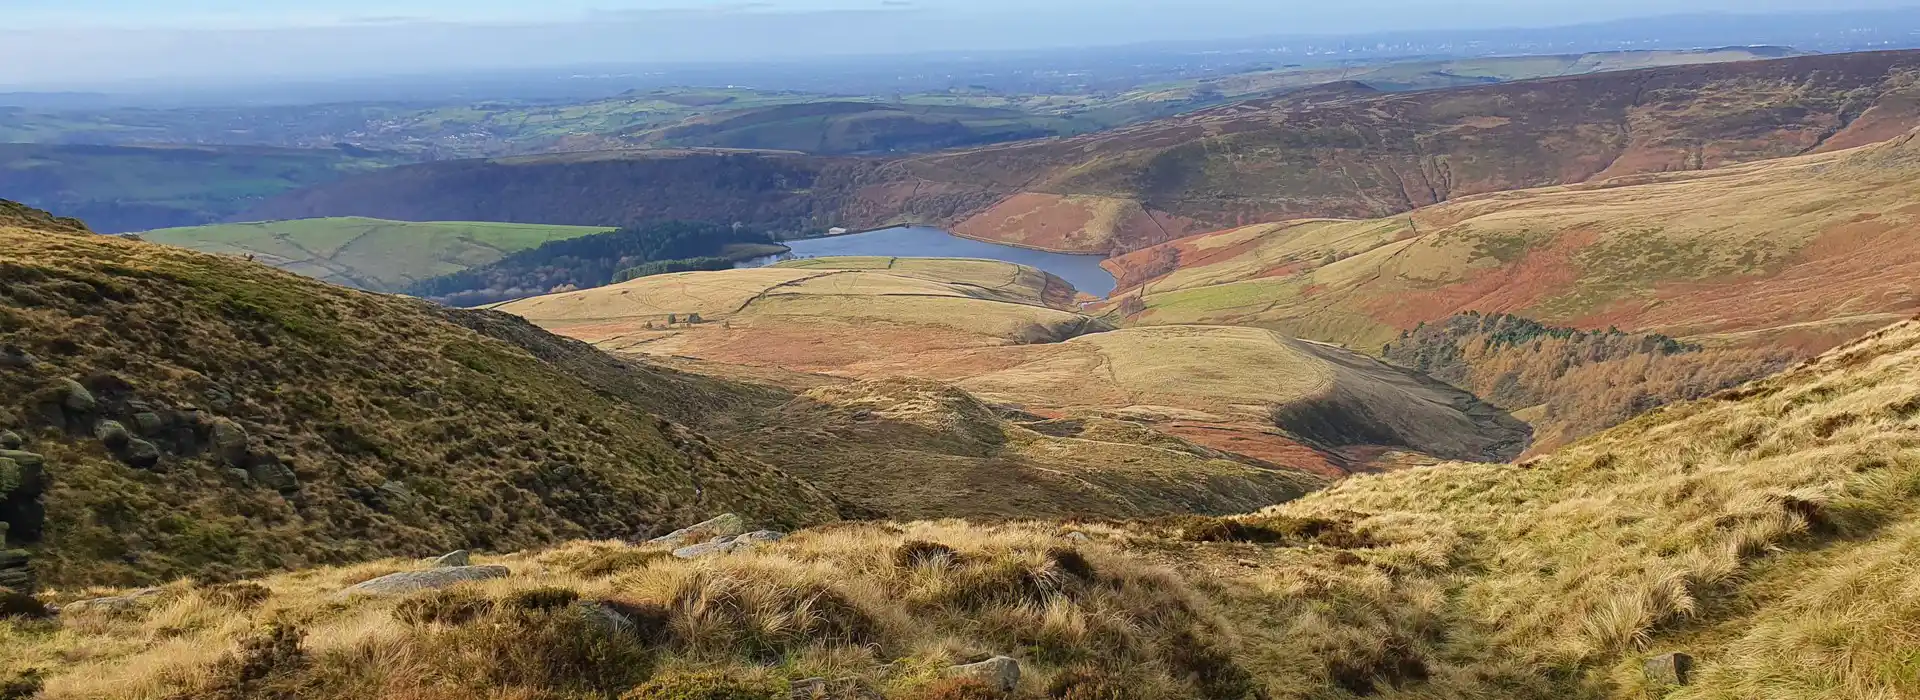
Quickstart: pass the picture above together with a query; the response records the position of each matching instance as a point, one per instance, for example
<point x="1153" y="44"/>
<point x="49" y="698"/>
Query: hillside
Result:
<point x="1010" y="335"/>
<point x="1800" y="252"/>
<point x="117" y="189"/>
<point x="372" y="254"/>
<point x="200" y="415"/>
<point x="1765" y="534"/>
<point x="1353" y="153"/>
<point x="843" y="128"/>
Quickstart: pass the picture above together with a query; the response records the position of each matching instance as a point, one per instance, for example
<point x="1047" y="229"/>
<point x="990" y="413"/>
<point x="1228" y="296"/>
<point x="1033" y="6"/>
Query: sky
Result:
<point x="47" y="43"/>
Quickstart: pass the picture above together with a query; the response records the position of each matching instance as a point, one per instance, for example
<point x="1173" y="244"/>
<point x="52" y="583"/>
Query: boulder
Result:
<point x="149" y="424"/>
<point x="724" y="526"/>
<point x="140" y="454"/>
<point x="10" y="440"/>
<point x="229" y="440"/>
<point x="1000" y="673"/>
<point x="454" y="558"/>
<point x="410" y="581"/>
<point x="75" y="397"/>
<point x="267" y="471"/>
<point x="729" y="545"/>
<point x="1670" y="669"/>
<point x="16" y="569"/>
<point x="114" y="605"/>
<point x="14" y="356"/>
<point x="27" y="460"/>
<point x="112" y="434"/>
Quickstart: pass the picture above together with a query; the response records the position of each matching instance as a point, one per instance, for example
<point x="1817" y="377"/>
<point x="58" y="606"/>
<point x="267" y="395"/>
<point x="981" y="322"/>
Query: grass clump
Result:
<point x="443" y="607"/>
<point x="704" y="686"/>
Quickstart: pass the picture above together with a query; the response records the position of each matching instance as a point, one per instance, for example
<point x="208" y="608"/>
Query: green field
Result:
<point x="374" y="254"/>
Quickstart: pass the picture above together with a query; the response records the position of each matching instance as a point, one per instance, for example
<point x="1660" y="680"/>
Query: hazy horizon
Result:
<point x="75" y="44"/>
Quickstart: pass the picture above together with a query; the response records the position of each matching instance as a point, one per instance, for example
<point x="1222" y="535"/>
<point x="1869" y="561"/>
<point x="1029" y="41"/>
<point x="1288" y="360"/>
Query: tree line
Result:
<point x="591" y="261"/>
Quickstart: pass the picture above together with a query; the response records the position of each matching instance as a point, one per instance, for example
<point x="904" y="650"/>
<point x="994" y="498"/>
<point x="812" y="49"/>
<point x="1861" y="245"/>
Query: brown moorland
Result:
<point x="1347" y="154"/>
<point x="1003" y="332"/>
<point x="1766" y="532"/>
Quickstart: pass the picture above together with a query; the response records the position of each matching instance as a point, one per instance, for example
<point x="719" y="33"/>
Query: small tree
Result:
<point x="693" y="318"/>
<point x="649" y="325"/>
<point x="672" y="319"/>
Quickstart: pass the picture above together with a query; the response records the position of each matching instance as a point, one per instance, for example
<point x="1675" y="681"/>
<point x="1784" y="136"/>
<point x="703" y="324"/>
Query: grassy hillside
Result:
<point x="118" y="189"/>
<point x="373" y="254"/>
<point x="1011" y="335"/>
<point x="1799" y="252"/>
<point x="1367" y="155"/>
<point x="200" y="415"/>
<point x="1765" y="532"/>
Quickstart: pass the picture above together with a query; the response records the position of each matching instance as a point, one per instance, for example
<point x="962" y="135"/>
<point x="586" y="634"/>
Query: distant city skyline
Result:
<point x="52" y="43"/>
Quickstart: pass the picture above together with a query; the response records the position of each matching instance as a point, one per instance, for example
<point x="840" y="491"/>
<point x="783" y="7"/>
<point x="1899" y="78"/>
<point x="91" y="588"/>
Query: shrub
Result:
<point x="611" y="562"/>
<point x="703" y="686"/>
<point x="958" y="689"/>
<point x="540" y="599"/>
<point x="449" y="607"/>
<point x="917" y="553"/>
<point x="244" y="595"/>
<point x="16" y="604"/>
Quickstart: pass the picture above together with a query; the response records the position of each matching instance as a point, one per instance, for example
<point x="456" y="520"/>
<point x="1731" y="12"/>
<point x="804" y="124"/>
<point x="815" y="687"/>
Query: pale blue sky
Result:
<point x="73" y="42"/>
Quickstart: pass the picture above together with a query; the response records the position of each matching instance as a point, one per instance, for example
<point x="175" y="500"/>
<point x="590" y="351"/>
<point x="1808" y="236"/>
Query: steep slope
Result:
<point x="1766" y="533"/>
<point x="1799" y="252"/>
<point x="118" y="189"/>
<point x="1352" y="153"/>
<point x="1279" y="159"/>
<point x="196" y="414"/>
<point x="1009" y="334"/>
<point x="372" y="254"/>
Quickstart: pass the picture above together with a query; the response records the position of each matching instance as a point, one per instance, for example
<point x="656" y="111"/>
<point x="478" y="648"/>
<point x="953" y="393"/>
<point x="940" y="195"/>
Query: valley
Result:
<point x="1549" y="376"/>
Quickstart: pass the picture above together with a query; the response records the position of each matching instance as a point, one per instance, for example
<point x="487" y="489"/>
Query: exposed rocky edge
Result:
<point x="201" y="415"/>
<point x="20" y="215"/>
<point x="426" y="580"/>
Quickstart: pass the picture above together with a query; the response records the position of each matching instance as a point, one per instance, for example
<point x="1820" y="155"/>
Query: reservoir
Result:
<point x="1082" y="271"/>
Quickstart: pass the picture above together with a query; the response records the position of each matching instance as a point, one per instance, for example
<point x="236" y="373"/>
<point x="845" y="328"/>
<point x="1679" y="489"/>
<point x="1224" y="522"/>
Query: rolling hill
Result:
<point x="177" y="414"/>
<point x="372" y="254"/>
<point x="1011" y="335"/>
<point x="118" y="189"/>
<point x="1806" y="251"/>
<point x="1756" y="544"/>
<point x="843" y="128"/>
<point x="1341" y="151"/>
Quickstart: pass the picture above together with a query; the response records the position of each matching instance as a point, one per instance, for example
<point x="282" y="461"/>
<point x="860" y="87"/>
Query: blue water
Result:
<point x="1082" y="271"/>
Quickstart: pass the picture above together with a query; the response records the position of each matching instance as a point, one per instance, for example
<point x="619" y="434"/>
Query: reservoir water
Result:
<point x="1082" y="271"/>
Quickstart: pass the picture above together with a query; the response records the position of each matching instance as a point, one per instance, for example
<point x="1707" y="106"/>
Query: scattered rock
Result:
<point x="229" y="441"/>
<point x="724" y="526"/>
<point x="1670" y="669"/>
<point x="16" y="569"/>
<point x="240" y="475"/>
<point x="13" y="356"/>
<point x="140" y="454"/>
<point x="809" y="689"/>
<point x="1078" y="537"/>
<point x="267" y="471"/>
<point x="149" y="423"/>
<point x="604" y="617"/>
<point x="410" y="581"/>
<point x="75" y="397"/>
<point x="114" y="605"/>
<point x="454" y="558"/>
<point x="111" y="433"/>
<point x="729" y="545"/>
<point x="1000" y="672"/>
<point x="10" y="440"/>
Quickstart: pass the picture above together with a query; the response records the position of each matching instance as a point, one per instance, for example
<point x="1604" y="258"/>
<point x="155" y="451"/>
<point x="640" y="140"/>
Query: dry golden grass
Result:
<point x="1767" y="531"/>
